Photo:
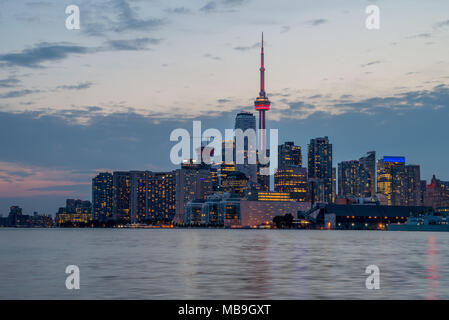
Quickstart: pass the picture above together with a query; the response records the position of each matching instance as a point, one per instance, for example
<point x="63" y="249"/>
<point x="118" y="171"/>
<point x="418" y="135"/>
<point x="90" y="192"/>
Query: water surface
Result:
<point x="222" y="264"/>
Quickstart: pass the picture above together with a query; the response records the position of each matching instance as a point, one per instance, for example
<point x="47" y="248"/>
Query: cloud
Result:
<point x="317" y="22"/>
<point x="371" y="63"/>
<point x="79" y="86"/>
<point x="117" y="17"/>
<point x="128" y="20"/>
<point x="285" y="29"/>
<point x="441" y="24"/>
<point x="17" y="93"/>
<point x="209" y="7"/>
<point x="208" y="55"/>
<point x="424" y="35"/>
<point x="246" y="48"/>
<point x="50" y="52"/>
<point x="214" y="6"/>
<point x="41" y="53"/>
<point x="131" y="45"/>
<point x="9" y="82"/>
<point x="179" y="10"/>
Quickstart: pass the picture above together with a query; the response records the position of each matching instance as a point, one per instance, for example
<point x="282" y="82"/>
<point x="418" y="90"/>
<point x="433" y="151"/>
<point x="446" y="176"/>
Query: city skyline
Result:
<point x="70" y="128"/>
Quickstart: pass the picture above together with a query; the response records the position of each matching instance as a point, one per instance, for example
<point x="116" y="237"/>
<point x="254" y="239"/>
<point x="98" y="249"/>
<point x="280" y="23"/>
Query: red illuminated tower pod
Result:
<point x="262" y="103"/>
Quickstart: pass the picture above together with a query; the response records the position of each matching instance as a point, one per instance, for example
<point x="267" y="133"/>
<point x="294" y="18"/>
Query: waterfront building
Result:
<point x="161" y="197"/>
<point x="235" y="182"/>
<point x="270" y="196"/>
<point x="360" y="216"/>
<point x="353" y="179"/>
<point x="193" y="182"/>
<point x="121" y="182"/>
<point x="400" y="183"/>
<point x="247" y="121"/>
<point x="102" y="196"/>
<point x="368" y="162"/>
<point x="76" y="213"/>
<point x="256" y="214"/>
<point x="386" y="168"/>
<point x="289" y="155"/>
<point x="292" y="180"/>
<point x="320" y="170"/>
<point x="213" y="211"/>
<point x="437" y="193"/>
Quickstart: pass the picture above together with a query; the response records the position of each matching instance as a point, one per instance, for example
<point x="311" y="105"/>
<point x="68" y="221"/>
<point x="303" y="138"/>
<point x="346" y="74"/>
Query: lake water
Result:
<point x="222" y="264"/>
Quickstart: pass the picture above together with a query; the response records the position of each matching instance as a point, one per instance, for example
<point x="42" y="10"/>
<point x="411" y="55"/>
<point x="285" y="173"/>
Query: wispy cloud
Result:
<point x="246" y="48"/>
<point x="371" y="63"/>
<point x="9" y="82"/>
<point x="79" y="86"/>
<point x="178" y="10"/>
<point x="17" y="93"/>
<point x="44" y="52"/>
<point x="208" y="55"/>
<point x="41" y="53"/>
<point x="441" y="24"/>
<point x="316" y="22"/>
<point x="131" y="44"/>
<point x="128" y="19"/>
<point x="285" y="29"/>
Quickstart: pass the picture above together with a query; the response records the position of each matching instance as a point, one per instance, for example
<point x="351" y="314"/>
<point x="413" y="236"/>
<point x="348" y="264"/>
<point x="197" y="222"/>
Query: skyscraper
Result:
<point x="355" y="177"/>
<point x="247" y="121"/>
<point x="351" y="177"/>
<point x="262" y="103"/>
<point x="121" y="182"/>
<point x="320" y="170"/>
<point x="102" y="196"/>
<point x="385" y="173"/>
<point x="161" y="196"/>
<point x="289" y="155"/>
<point x="368" y="162"/>
<point x="193" y="182"/>
<point x="292" y="179"/>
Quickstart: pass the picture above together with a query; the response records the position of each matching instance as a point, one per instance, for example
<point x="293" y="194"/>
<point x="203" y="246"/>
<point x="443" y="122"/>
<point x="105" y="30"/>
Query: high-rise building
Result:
<point x="400" y="183"/>
<point x="368" y="162"/>
<point x="350" y="179"/>
<point x="102" y="196"/>
<point x="354" y="179"/>
<point x="385" y="175"/>
<point x="161" y="196"/>
<point x="289" y="155"/>
<point x="121" y="191"/>
<point x="235" y="183"/>
<point x="437" y="193"/>
<point x="412" y="196"/>
<point x="193" y="182"/>
<point x="293" y="180"/>
<point x="247" y="121"/>
<point x="138" y="196"/>
<point x="320" y="170"/>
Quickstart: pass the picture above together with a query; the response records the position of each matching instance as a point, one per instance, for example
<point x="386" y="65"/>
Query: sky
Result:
<point x="107" y="96"/>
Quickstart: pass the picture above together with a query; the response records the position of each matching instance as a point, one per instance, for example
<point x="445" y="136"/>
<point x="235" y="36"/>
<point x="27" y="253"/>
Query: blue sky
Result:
<point x="106" y="97"/>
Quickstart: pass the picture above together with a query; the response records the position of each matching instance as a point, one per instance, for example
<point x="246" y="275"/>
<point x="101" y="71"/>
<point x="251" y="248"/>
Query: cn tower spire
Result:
<point x="262" y="103"/>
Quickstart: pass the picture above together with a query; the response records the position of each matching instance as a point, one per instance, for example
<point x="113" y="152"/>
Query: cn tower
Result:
<point x="262" y="103"/>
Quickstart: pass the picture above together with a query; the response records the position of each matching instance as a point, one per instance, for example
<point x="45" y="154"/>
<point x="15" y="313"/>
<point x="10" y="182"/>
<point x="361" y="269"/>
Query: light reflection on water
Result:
<point x="222" y="264"/>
